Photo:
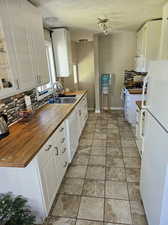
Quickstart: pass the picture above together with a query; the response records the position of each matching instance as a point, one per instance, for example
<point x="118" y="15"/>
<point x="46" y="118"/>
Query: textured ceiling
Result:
<point x="83" y="14"/>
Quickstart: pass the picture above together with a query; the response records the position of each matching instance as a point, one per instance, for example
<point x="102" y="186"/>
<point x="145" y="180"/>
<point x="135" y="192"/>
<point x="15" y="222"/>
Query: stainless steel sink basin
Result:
<point x="62" y="100"/>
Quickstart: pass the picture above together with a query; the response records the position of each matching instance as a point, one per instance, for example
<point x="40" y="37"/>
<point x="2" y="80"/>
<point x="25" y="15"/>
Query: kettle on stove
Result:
<point x="4" y="130"/>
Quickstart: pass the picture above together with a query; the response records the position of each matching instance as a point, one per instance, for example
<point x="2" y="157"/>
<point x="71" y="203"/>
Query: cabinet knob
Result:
<point x="17" y="84"/>
<point x="63" y="140"/>
<point x="56" y="149"/>
<point x="64" y="151"/>
<point x="49" y="147"/>
<point x="62" y="128"/>
<point x="66" y="163"/>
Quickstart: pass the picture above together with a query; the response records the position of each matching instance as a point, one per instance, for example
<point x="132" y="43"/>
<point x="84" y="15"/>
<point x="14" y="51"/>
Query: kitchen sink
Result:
<point x="62" y="100"/>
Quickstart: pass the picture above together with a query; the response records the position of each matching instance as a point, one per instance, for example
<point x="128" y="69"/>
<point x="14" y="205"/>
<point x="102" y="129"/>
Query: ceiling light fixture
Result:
<point x="104" y="25"/>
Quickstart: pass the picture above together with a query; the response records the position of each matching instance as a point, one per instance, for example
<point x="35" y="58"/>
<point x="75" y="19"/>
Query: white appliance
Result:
<point x="154" y="168"/>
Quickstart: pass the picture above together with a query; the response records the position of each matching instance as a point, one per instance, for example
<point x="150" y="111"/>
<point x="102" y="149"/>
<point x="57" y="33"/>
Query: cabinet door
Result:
<point x="19" y="29"/>
<point x="38" y="50"/>
<point x="62" y="52"/>
<point x="164" y="34"/>
<point x="139" y="43"/>
<point x="49" y="182"/>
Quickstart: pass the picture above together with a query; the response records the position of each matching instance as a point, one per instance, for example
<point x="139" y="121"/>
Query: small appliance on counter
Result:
<point x="133" y="79"/>
<point x="4" y="130"/>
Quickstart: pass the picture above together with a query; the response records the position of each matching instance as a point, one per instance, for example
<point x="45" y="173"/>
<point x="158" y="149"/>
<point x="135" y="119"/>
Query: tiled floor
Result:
<point x="101" y="187"/>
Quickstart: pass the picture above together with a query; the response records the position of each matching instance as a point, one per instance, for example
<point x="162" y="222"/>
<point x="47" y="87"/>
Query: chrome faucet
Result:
<point x="57" y="89"/>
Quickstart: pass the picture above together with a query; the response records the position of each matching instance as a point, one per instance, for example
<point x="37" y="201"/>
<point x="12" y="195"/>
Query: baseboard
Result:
<point x="97" y="110"/>
<point x="116" y="108"/>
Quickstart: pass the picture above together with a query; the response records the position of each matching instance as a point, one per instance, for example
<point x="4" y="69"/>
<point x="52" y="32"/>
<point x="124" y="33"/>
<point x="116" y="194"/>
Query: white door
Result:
<point x="154" y="179"/>
<point x="158" y="91"/>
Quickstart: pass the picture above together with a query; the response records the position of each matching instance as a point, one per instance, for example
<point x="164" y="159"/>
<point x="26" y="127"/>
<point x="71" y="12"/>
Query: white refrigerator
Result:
<point x="154" y="168"/>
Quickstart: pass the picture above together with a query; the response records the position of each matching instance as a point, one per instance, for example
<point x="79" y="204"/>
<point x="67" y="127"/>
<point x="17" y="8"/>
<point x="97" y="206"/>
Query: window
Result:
<point x="75" y="73"/>
<point x="51" y="69"/>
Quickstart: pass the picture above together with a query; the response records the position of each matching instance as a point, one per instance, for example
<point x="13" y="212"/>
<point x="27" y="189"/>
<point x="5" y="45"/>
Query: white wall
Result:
<point x="81" y="34"/>
<point x="116" y="54"/>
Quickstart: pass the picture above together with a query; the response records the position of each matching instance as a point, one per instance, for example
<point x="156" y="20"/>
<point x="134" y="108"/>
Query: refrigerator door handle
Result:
<point x="141" y="124"/>
<point x="143" y="90"/>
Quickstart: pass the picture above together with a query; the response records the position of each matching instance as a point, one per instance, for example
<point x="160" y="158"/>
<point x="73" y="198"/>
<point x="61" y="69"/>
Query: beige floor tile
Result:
<point x="113" y="136"/>
<point x="76" y="171"/>
<point x="132" y="163"/>
<point x="95" y="172"/>
<point x="132" y="174"/>
<point x="137" y="208"/>
<point x="112" y="126"/>
<point x="85" y="142"/>
<point x="130" y="152"/>
<point x="117" y="211"/>
<point x="61" y="221"/>
<point x="93" y="188"/>
<point x="72" y="186"/>
<point x="114" y="144"/>
<point x="80" y="159"/>
<point x="64" y="205"/>
<point x="91" y="208"/>
<point x="116" y="190"/>
<point x="133" y="190"/>
<point x="97" y="160"/>
<point x="84" y="150"/>
<point x="99" y="136"/>
<point x="98" y="150"/>
<point x="114" y="224"/>
<point x="99" y="143"/>
<point x="88" y="222"/>
<point x="115" y="174"/>
<point x="139" y="219"/>
<point x="114" y="161"/>
<point x="128" y="143"/>
<point x="114" y="152"/>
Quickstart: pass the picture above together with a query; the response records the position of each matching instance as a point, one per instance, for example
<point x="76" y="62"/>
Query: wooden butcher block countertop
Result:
<point x="135" y="91"/>
<point x="26" y="138"/>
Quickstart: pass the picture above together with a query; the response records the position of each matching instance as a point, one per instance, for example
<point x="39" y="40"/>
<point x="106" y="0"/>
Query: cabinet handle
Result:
<point x="64" y="151"/>
<point x="79" y="112"/>
<point x="56" y="149"/>
<point x="63" y="140"/>
<point x="66" y="163"/>
<point x="17" y="84"/>
<point x="62" y="128"/>
<point x="49" y="147"/>
<point x="40" y="79"/>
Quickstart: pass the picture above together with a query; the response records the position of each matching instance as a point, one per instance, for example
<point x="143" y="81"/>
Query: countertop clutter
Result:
<point x="26" y="138"/>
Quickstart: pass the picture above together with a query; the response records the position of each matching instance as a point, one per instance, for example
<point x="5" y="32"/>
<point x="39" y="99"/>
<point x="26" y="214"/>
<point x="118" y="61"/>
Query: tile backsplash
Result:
<point x="11" y="105"/>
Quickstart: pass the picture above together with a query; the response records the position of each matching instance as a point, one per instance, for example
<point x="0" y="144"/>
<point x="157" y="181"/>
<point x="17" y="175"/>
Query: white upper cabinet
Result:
<point x="21" y="24"/>
<point x="62" y="52"/>
<point x="148" y="40"/>
<point x="38" y="45"/>
<point x="164" y="34"/>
